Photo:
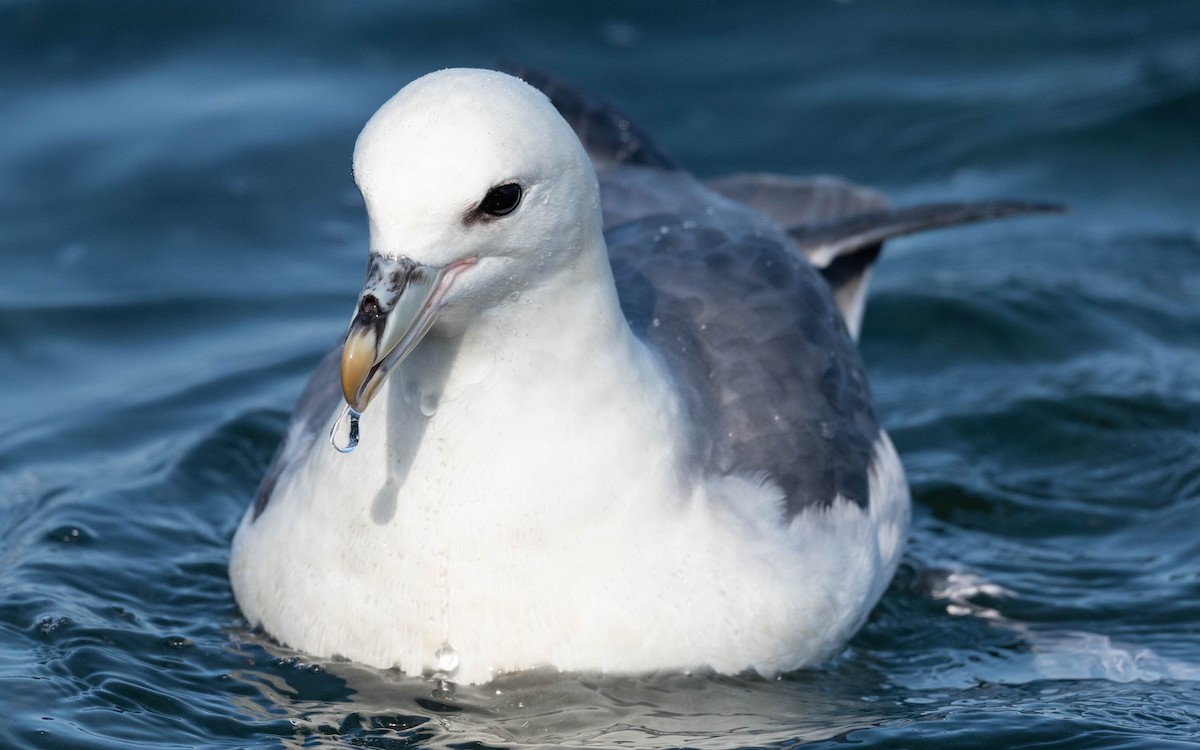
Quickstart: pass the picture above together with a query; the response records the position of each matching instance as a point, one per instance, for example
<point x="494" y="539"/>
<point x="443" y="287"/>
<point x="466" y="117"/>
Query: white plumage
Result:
<point x="525" y="488"/>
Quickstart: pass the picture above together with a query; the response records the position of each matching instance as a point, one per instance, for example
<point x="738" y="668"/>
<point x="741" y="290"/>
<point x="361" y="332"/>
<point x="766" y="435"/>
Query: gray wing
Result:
<point x="840" y="227"/>
<point x="798" y="201"/>
<point x="321" y="397"/>
<point x="768" y="373"/>
<point x="827" y="242"/>
<point x="749" y="320"/>
<point x="770" y="377"/>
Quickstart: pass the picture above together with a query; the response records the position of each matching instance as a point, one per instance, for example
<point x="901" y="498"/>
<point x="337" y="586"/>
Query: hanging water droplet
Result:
<point x="445" y="659"/>
<point x="352" y="432"/>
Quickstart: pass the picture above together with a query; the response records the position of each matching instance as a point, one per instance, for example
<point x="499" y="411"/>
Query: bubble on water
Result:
<point x="352" y="431"/>
<point x="69" y="534"/>
<point x="513" y="297"/>
<point x="51" y="625"/>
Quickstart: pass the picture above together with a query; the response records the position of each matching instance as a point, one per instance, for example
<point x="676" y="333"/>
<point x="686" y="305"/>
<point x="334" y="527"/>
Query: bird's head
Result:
<point x="475" y="188"/>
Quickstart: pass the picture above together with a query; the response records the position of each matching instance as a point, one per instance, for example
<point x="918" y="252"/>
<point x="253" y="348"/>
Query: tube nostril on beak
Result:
<point x="369" y="307"/>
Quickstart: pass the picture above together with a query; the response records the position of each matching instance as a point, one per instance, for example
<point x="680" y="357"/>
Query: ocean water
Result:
<point x="180" y="241"/>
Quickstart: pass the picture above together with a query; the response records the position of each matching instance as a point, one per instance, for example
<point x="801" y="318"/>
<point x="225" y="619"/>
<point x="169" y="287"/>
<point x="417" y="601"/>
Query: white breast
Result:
<point x="529" y="523"/>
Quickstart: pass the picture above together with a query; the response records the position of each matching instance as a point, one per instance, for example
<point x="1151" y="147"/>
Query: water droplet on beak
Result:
<point x="352" y="431"/>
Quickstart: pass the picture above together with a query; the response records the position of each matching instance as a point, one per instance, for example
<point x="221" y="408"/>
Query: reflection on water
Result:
<point x="1022" y="675"/>
<point x="547" y="708"/>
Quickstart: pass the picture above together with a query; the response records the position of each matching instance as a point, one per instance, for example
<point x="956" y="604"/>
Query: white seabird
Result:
<point x="616" y="438"/>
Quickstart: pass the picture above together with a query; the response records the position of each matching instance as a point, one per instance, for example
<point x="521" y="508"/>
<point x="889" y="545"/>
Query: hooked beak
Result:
<point x="397" y="306"/>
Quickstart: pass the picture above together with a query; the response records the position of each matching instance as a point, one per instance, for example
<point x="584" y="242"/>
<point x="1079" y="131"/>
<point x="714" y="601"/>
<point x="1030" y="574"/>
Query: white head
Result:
<point x="475" y="188"/>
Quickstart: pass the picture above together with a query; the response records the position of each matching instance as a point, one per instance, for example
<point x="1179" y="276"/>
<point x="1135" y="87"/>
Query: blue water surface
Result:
<point x="181" y="240"/>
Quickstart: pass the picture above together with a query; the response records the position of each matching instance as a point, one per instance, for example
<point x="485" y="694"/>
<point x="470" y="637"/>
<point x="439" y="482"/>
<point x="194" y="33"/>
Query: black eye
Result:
<point x="501" y="200"/>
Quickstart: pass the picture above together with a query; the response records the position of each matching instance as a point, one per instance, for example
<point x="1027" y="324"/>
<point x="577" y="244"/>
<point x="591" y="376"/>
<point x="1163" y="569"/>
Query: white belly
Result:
<point x="522" y="554"/>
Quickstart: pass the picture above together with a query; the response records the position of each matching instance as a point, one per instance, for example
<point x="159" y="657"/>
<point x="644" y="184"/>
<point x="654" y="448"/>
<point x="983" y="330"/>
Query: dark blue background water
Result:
<point x="180" y="240"/>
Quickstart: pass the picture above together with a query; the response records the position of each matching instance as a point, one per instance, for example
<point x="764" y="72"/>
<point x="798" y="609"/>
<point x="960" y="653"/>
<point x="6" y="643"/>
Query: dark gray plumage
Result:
<point x="771" y="377"/>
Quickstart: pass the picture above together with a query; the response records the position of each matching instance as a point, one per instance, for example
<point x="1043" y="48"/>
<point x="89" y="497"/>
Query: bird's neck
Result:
<point x="570" y="322"/>
<point x="549" y="390"/>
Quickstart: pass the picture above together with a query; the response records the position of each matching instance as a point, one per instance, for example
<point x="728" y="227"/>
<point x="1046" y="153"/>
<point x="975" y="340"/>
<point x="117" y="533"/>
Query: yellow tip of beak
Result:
<point x="358" y="357"/>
